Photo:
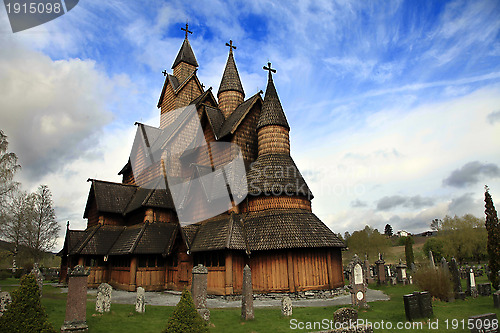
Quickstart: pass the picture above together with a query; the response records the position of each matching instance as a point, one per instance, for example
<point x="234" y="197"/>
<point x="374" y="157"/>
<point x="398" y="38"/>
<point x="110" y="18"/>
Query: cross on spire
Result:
<point x="268" y="68"/>
<point x="231" y="46"/>
<point x="186" y="30"/>
<point x="164" y="72"/>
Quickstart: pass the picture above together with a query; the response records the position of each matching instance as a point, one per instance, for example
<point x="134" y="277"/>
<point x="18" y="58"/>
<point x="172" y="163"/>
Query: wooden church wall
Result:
<point x="246" y="134"/>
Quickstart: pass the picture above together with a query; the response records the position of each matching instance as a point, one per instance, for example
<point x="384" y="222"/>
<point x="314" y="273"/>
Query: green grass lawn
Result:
<point x="123" y="318"/>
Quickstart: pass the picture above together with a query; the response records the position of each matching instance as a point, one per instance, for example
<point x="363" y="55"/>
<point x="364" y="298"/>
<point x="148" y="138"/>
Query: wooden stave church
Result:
<point x="133" y="237"/>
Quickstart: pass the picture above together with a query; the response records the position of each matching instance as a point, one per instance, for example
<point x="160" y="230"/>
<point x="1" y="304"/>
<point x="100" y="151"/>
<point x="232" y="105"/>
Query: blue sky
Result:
<point x="394" y="106"/>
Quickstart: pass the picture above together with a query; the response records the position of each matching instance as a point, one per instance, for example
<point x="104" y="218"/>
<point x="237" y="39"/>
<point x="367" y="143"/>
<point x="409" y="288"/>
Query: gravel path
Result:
<point x="172" y="298"/>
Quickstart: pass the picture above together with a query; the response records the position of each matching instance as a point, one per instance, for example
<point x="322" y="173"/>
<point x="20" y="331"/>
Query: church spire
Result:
<point x="272" y="111"/>
<point x="231" y="93"/>
<point x="186" y="53"/>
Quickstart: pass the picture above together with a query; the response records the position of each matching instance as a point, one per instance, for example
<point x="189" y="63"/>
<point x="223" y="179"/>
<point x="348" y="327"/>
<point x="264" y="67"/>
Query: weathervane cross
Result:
<point x="164" y="72"/>
<point x="268" y="68"/>
<point x="186" y="30"/>
<point x="231" y="46"/>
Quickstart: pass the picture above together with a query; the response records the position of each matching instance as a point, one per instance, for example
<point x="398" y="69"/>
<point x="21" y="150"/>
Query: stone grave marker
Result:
<point x="357" y="283"/>
<point x="5" y="300"/>
<point x="455" y="276"/>
<point x="425" y="304"/>
<point x="401" y="273"/>
<point x="247" y="295"/>
<point x="286" y="307"/>
<point x="199" y="291"/>
<point x="444" y="266"/>
<point x="346" y="316"/>
<point x="431" y="260"/>
<point x="412" y="310"/>
<point x="38" y="277"/>
<point x="471" y="284"/>
<point x="140" y="300"/>
<point x="380" y="268"/>
<point x="496" y="299"/>
<point x="366" y="269"/>
<point x="76" y="303"/>
<point x="484" y="289"/>
<point x="485" y="323"/>
<point x="103" y="300"/>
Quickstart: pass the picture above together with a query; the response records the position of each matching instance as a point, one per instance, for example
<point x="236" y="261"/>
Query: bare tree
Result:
<point x="17" y="216"/>
<point x="8" y="168"/>
<point x="42" y="229"/>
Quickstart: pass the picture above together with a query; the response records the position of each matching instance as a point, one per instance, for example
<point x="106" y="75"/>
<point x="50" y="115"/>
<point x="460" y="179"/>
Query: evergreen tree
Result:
<point x="185" y="318"/>
<point x="493" y="229"/>
<point x="388" y="230"/>
<point x="26" y="314"/>
<point x="409" y="251"/>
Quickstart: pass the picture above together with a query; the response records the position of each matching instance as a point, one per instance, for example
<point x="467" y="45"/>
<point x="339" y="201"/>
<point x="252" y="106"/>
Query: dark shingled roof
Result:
<point x="232" y="122"/>
<point x="230" y="78"/>
<point x="144" y="238"/>
<point x="272" y="111"/>
<point x="276" y="174"/>
<point x="186" y="55"/>
<point x="189" y="232"/>
<point x="123" y="199"/>
<point x="157" y="238"/>
<point x="72" y="239"/>
<point x="223" y="232"/>
<point x="265" y="230"/>
<point x="111" y="197"/>
<point x="286" y="229"/>
<point x="215" y="119"/>
<point x="99" y="239"/>
<point x="127" y="241"/>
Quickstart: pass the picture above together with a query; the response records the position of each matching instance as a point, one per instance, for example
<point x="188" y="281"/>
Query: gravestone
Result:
<point x="496" y="300"/>
<point x="444" y="266"/>
<point x="76" y="303"/>
<point x="412" y="310"/>
<point x="286" y="307"/>
<point x="401" y="273"/>
<point x="485" y="323"/>
<point x="418" y="305"/>
<point x="425" y="304"/>
<point x="484" y="289"/>
<point x="380" y="270"/>
<point x="5" y="300"/>
<point x="366" y="270"/>
<point x="357" y="283"/>
<point x="199" y="291"/>
<point x="103" y="300"/>
<point x="247" y="295"/>
<point x="140" y="300"/>
<point x="471" y="284"/>
<point x="431" y="260"/>
<point x="455" y="276"/>
<point x="38" y="277"/>
<point x="347" y="316"/>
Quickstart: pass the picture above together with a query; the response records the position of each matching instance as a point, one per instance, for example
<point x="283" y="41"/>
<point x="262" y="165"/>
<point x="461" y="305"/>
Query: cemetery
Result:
<point x="74" y="308"/>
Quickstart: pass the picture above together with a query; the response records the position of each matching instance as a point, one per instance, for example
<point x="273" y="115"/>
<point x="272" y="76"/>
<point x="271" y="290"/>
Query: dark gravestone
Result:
<point x="412" y="310"/>
<point x="425" y="303"/>
<point x="484" y="289"/>
<point x="455" y="276"/>
<point x="485" y="323"/>
<point x="76" y="303"/>
<point x="496" y="300"/>
<point x="380" y="270"/>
